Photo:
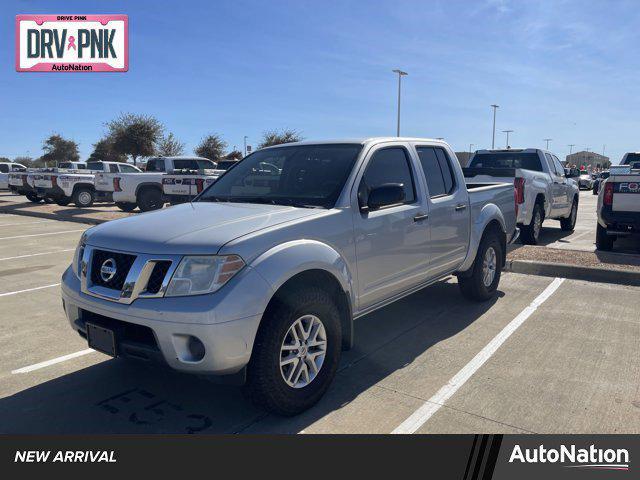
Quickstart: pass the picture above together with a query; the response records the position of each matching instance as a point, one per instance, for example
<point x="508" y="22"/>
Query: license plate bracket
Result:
<point x="102" y="339"/>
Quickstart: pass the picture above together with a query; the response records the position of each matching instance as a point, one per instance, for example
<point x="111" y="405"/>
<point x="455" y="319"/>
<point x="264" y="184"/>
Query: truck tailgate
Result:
<point x="626" y="192"/>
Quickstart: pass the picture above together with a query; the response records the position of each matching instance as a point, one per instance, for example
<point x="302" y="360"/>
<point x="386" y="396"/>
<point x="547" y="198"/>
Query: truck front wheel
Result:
<point x="32" y="197"/>
<point x="296" y="352"/>
<point x="150" y="199"/>
<point x="83" y="197"/>
<point x="483" y="282"/>
<point x="568" y="224"/>
<point x="604" y="242"/>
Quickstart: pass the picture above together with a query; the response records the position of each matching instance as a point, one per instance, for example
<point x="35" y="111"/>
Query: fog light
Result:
<point x="188" y="348"/>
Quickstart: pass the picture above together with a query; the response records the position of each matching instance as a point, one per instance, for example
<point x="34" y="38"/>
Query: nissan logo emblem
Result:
<point x="108" y="270"/>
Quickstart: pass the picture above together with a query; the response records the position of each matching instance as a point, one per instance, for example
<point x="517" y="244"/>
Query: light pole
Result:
<point x="571" y="145"/>
<point x="400" y="75"/>
<point x="493" y="137"/>
<point x="471" y="145"/>
<point x="507" y="132"/>
<point x="245" y="146"/>
<point x="547" y="140"/>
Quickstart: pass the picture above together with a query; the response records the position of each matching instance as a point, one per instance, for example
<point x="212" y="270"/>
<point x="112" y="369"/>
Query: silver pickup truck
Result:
<point x="260" y="278"/>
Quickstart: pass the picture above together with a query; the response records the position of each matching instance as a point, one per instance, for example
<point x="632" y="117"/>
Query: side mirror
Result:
<point x="385" y="195"/>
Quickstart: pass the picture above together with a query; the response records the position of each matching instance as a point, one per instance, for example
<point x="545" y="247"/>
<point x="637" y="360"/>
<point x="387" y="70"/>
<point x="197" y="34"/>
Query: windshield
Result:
<point x="206" y="164"/>
<point x="527" y="161"/>
<point x="225" y="164"/>
<point x="631" y="158"/>
<point x="304" y="176"/>
<point x="95" y="166"/>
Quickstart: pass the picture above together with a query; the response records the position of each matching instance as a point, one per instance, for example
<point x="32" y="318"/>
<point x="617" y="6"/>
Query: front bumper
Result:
<point x="156" y="328"/>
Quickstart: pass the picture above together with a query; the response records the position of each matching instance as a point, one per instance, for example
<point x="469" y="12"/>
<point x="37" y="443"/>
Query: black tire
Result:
<point x="84" y="197"/>
<point x="473" y="287"/>
<point x="266" y="385"/>
<point x="604" y="242"/>
<point x="48" y="200"/>
<point x="569" y="223"/>
<point x="595" y="189"/>
<point x="63" y="202"/>
<point x="150" y="199"/>
<point x="529" y="234"/>
<point x="126" y="206"/>
<point x="32" y="197"/>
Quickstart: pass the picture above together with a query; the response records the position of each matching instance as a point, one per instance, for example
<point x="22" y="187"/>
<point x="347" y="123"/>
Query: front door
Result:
<point x="391" y="243"/>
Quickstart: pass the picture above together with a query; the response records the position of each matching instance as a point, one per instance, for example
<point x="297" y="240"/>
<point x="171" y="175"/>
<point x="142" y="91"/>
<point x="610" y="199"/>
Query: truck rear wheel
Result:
<point x="83" y="197"/>
<point x="483" y="282"/>
<point x="604" y="242"/>
<point x="529" y="234"/>
<point x="150" y="199"/>
<point x="126" y="206"/>
<point x="296" y="352"/>
<point x="569" y="223"/>
<point x="63" y="202"/>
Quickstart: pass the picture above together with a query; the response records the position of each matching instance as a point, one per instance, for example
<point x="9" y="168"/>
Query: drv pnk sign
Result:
<point x="72" y="43"/>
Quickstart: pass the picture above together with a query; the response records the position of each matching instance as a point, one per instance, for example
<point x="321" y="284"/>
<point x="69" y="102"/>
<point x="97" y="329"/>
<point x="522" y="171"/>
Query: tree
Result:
<point x="4" y="159"/>
<point x="274" y="137"/>
<point x="170" y="146"/>
<point x="234" y="155"/>
<point x="211" y="147"/>
<point x="103" y="150"/>
<point x="58" y="149"/>
<point x="135" y="135"/>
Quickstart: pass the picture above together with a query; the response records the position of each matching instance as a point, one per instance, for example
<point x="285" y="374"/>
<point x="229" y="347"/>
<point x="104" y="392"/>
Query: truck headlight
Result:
<point x="77" y="256"/>
<point x="199" y="274"/>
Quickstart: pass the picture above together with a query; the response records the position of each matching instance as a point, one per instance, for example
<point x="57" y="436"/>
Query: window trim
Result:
<point x="407" y="157"/>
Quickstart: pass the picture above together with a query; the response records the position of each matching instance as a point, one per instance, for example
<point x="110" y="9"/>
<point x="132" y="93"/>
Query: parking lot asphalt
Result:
<point x="583" y="237"/>
<point x="546" y="356"/>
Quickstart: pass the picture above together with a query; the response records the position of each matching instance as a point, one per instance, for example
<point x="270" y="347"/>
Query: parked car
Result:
<point x="5" y="169"/>
<point x="144" y="190"/>
<point x="182" y="186"/>
<point x="22" y="183"/>
<point x="618" y="206"/>
<point x="78" y="186"/>
<point x="262" y="276"/>
<point x="585" y="181"/>
<point x="596" y="183"/>
<point x="545" y="191"/>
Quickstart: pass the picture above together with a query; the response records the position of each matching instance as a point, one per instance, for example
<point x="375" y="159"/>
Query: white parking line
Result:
<point x="29" y="290"/>
<point x="431" y="406"/>
<point x="40" y="234"/>
<point x="38" y="254"/>
<point x="53" y="361"/>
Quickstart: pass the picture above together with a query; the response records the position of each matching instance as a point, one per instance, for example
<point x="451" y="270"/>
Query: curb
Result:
<point x="53" y="216"/>
<point x="574" y="272"/>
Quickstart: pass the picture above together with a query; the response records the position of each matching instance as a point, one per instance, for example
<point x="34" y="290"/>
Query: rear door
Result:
<point x="392" y="243"/>
<point x="557" y="188"/>
<point x="448" y="210"/>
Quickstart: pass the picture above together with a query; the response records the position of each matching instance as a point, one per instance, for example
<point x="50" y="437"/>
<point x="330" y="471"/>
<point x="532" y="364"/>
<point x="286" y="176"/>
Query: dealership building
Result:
<point x="588" y="159"/>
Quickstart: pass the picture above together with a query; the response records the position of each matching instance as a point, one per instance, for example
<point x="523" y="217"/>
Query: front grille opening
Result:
<point x="123" y="263"/>
<point x="157" y="276"/>
<point x="124" y="331"/>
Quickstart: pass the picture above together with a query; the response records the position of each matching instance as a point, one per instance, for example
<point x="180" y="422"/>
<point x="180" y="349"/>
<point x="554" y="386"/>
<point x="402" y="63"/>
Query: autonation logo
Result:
<point x="588" y="458"/>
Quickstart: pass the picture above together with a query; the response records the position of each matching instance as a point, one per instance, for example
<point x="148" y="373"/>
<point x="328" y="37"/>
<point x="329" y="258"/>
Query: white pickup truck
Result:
<point x="78" y="186"/>
<point x="543" y="189"/>
<point x="619" y="203"/>
<point x="182" y="186"/>
<point x="5" y="169"/>
<point x="144" y="190"/>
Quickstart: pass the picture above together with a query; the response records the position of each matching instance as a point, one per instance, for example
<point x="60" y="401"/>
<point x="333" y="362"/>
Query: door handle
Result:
<point x="460" y="207"/>
<point x="420" y="216"/>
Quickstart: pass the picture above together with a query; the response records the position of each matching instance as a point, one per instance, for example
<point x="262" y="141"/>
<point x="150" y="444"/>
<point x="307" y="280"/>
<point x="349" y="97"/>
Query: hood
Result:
<point x="198" y="228"/>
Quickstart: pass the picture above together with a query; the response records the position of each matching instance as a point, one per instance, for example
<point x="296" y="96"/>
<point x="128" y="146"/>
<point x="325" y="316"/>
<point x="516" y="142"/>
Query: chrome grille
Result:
<point x="123" y="264"/>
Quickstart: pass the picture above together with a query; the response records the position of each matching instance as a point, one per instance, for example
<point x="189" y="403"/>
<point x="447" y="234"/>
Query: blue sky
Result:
<point x="566" y="70"/>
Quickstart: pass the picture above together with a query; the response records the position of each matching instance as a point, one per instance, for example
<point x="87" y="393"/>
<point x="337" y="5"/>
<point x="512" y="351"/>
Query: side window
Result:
<point x="432" y="172"/>
<point x="559" y="167"/>
<point x="4" y="168"/>
<point x="113" y="168"/>
<point x="151" y="166"/>
<point x="447" y="172"/>
<point x="127" y="168"/>
<point x="390" y="165"/>
<point x="185" y="164"/>
<point x="552" y="166"/>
